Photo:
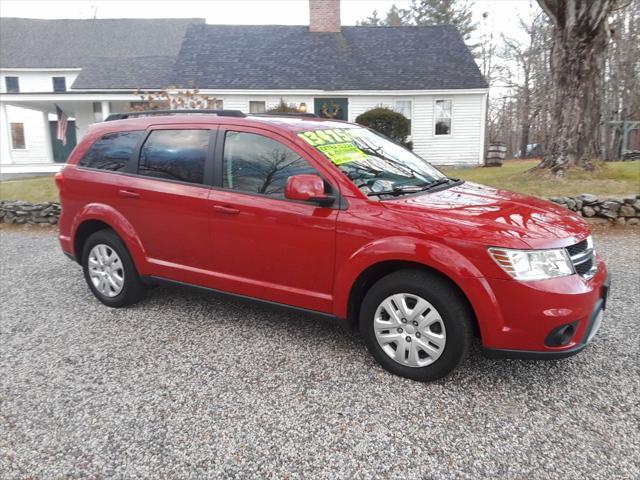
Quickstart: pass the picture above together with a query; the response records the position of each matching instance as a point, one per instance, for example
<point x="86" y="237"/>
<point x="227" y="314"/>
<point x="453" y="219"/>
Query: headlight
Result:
<point x="533" y="264"/>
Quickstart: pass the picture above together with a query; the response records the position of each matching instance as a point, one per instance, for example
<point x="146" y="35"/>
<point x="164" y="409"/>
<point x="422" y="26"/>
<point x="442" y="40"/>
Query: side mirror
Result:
<point x="308" y="188"/>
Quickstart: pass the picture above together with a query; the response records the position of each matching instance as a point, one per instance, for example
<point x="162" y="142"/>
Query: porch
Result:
<point x="28" y="125"/>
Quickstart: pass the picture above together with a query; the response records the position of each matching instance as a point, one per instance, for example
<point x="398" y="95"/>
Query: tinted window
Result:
<point x="175" y="155"/>
<point x="257" y="164"/>
<point x="112" y="152"/>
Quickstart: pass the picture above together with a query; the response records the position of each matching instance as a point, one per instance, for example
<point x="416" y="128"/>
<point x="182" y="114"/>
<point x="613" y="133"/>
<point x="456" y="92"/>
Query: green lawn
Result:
<point x="614" y="179"/>
<point x="36" y="189"/>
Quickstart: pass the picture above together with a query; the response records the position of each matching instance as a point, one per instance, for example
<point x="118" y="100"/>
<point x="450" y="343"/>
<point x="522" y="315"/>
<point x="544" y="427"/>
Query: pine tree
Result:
<point x="444" y="12"/>
<point x="397" y="17"/>
<point x="372" y="20"/>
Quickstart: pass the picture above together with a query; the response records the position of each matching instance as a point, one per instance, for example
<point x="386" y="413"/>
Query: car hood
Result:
<point x="494" y="216"/>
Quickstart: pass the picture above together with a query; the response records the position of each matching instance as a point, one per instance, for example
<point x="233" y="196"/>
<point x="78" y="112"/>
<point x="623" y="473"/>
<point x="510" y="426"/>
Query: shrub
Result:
<point x="284" y="107"/>
<point x="387" y="122"/>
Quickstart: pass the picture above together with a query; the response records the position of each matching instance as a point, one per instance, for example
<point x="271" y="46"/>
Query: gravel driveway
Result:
<point x="185" y="385"/>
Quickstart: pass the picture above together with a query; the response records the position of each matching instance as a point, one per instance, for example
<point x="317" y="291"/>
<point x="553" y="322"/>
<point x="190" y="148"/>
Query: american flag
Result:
<point x="63" y="123"/>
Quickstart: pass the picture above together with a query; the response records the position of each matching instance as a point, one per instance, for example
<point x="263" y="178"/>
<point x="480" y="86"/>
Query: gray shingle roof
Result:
<point x="156" y="53"/>
<point x="358" y="58"/>
<point x="31" y="43"/>
<point x="126" y="73"/>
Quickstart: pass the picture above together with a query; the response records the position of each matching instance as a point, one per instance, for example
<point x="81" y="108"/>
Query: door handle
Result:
<point x="128" y="194"/>
<point x="226" y="210"/>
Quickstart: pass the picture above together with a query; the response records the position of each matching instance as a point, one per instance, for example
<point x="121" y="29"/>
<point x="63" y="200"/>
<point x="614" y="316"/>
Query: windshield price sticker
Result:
<point x="336" y="144"/>
<point x="340" y="153"/>
<point x="326" y="137"/>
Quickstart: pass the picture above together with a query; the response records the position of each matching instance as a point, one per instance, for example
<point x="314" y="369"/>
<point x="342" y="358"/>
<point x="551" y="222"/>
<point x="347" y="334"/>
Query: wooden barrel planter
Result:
<point x="495" y="154"/>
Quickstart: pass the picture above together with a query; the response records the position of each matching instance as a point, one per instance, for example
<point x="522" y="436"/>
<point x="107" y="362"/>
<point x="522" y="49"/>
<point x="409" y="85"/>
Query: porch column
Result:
<point x="5" y="136"/>
<point x="48" y="145"/>
<point x="106" y="109"/>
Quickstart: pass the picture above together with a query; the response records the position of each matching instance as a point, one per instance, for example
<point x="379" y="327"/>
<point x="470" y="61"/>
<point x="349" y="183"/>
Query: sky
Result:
<point x="502" y="16"/>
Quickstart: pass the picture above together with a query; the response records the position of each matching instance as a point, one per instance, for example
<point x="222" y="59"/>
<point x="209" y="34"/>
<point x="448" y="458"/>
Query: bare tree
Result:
<point x="530" y="81"/>
<point x="621" y="95"/>
<point x="580" y="37"/>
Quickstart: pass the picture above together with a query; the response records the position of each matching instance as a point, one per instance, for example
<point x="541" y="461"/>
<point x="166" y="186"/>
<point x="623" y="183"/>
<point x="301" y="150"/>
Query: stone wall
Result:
<point x="623" y="211"/>
<point x="45" y="213"/>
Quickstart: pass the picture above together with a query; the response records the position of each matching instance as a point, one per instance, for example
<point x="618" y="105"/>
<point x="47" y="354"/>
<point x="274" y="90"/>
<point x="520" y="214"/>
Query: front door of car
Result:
<point x="263" y="244"/>
<point x="167" y="201"/>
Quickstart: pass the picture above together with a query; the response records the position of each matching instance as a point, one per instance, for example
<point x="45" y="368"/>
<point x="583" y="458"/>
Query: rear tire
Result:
<point x="416" y="324"/>
<point x="109" y="270"/>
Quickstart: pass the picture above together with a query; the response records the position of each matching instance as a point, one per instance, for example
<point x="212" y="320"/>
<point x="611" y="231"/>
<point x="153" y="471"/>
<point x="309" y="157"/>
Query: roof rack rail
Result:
<point x="285" y="114"/>
<point x="149" y="113"/>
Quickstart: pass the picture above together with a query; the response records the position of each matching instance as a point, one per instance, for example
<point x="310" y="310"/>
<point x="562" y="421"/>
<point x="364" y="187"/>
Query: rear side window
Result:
<point x="112" y="152"/>
<point x="257" y="164"/>
<point x="175" y="155"/>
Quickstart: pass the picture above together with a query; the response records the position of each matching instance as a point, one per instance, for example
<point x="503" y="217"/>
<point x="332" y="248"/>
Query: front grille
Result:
<point x="578" y="248"/>
<point x="583" y="258"/>
<point x="584" y="268"/>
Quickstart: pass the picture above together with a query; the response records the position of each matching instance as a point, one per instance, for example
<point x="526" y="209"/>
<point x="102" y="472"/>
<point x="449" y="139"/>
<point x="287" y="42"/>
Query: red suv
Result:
<point x="331" y="218"/>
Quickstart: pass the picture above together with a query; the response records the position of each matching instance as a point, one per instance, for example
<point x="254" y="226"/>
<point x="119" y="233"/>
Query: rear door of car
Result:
<point x="263" y="244"/>
<point x="166" y="200"/>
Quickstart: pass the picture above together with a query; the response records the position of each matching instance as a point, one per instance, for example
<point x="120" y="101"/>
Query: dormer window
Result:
<point x="12" y="84"/>
<point x="59" y="84"/>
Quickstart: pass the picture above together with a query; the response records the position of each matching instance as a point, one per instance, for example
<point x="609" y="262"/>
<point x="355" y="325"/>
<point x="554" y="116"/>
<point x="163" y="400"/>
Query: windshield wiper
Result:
<point x="397" y="191"/>
<point x="437" y="183"/>
<point x="415" y="188"/>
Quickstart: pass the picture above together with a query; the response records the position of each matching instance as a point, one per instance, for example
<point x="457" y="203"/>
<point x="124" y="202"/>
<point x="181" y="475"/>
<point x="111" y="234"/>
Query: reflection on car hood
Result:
<point x="491" y="213"/>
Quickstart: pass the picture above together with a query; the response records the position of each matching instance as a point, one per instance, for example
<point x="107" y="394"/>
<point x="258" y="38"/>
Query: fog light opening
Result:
<point x="561" y="336"/>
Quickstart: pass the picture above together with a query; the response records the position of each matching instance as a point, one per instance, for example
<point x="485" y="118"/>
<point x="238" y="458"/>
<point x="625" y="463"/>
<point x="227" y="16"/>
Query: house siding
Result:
<point x="35" y="131"/>
<point x="37" y="81"/>
<point x="465" y="144"/>
<point x="463" y="147"/>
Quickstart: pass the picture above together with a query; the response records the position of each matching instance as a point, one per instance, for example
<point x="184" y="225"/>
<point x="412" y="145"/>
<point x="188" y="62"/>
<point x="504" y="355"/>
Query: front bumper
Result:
<point x="530" y="311"/>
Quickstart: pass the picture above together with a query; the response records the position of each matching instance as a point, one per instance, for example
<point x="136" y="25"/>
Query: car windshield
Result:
<point x="375" y="164"/>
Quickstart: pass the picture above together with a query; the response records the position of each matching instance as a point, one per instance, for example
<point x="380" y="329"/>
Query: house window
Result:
<point x="12" y="84"/>
<point x="443" y="117"/>
<point x="59" y="84"/>
<point x="97" y="112"/>
<point x="257" y="107"/>
<point x="17" y="136"/>
<point x="403" y="107"/>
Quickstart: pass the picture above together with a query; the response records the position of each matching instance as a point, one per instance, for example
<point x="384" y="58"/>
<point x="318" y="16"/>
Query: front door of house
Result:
<point x="61" y="152"/>
<point x="336" y="108"/>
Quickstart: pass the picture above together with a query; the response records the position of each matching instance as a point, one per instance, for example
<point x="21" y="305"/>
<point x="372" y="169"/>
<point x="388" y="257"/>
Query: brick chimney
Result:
<point x="324" y="16"/>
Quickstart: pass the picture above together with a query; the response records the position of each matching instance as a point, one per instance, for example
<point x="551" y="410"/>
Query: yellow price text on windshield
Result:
<point x="326" y="137"/>
<point x="340" y="153"/>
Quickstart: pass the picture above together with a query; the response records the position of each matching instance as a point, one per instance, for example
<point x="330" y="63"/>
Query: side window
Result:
<point x="175" y="155"/>
<point x="112" y="152"/>
<point x="257" y="164"/>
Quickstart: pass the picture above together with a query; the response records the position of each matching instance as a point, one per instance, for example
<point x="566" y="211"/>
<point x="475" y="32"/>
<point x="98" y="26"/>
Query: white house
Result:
<point x="91" y="68"/>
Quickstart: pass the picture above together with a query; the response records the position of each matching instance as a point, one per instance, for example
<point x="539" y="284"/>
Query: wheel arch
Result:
<point x="377" y="271"/>
<point x="95" y="217"/>
<point x="383" y="256"/>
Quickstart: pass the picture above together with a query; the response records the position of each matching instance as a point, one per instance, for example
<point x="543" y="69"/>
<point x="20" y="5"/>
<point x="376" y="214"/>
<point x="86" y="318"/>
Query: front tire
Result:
<point x="109" y="270"/>
<point x="416" y="324"/>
